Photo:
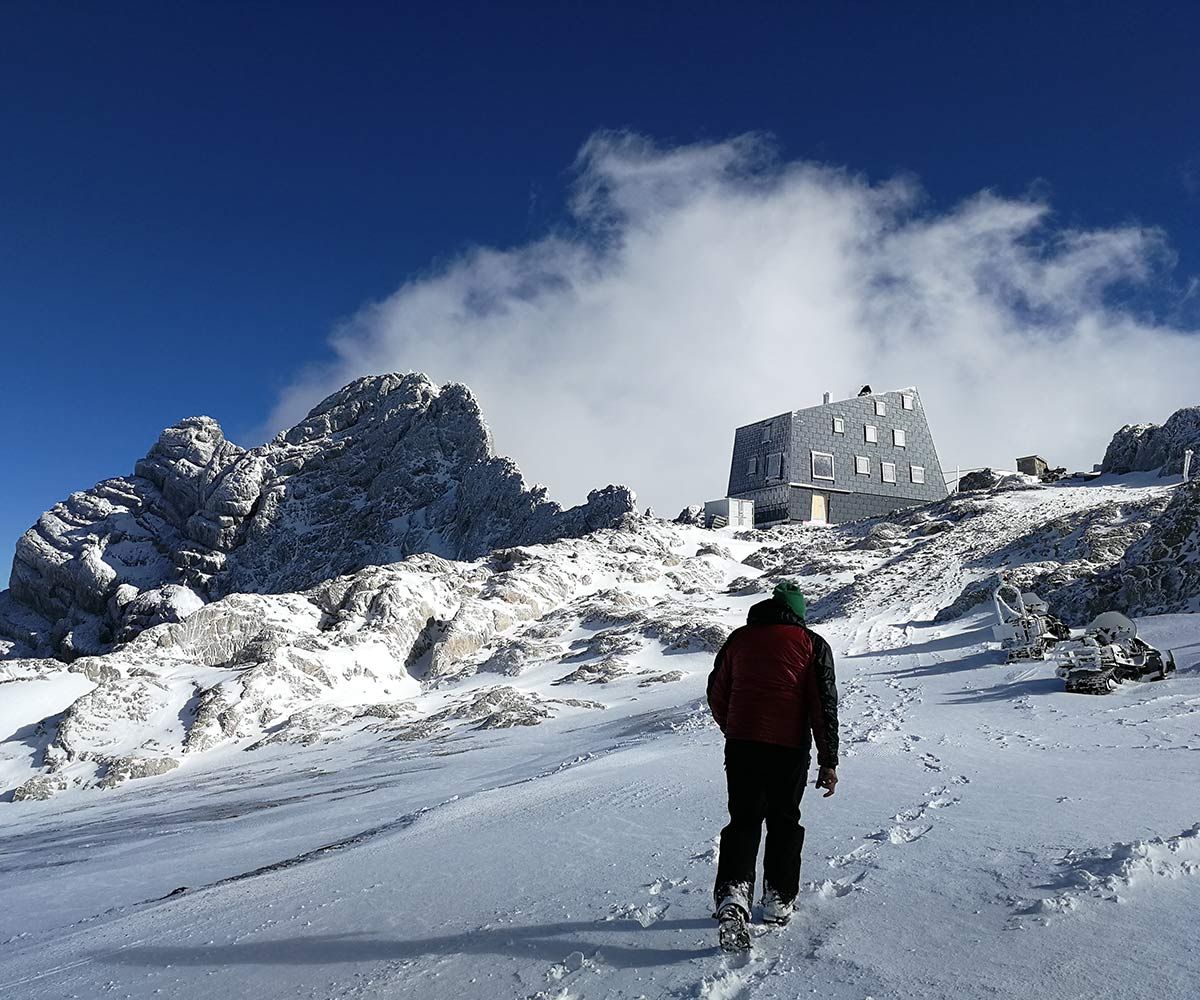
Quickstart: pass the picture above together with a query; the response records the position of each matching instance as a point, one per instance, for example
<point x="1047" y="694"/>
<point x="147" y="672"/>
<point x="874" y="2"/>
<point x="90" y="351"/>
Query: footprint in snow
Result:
<point x="864" y="852"/>
<point x="909" y="815"/>
<point x="644" y="914"/>
<point x="900" y="834"/>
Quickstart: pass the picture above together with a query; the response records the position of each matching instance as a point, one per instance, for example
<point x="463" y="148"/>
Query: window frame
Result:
<point x="812" y="459"/>
<point x="859" y="462"/>
<point x="881" y="407"/>
<point x="883" y="472"/>
<point x="912" y="474"/>
<point x="839" y="425"/>
<point x="871" y="433"/>
<point x="774" y="455"/>
<point x="899" y="438"/>
<point x="752" y="466"/>
<point x="908" y="401"/>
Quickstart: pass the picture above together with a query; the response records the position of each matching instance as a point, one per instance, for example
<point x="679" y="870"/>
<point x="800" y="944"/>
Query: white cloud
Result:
<point x="707" y="286"/>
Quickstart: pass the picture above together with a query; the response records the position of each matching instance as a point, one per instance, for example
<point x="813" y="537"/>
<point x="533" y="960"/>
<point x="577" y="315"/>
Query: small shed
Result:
<point x="730" y="512"/>
<point x="1033" y="465"/>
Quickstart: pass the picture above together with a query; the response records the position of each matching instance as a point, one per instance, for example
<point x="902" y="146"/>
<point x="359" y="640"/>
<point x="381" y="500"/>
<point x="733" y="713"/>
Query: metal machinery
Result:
<point x="1024" y="626"/>
<point x="1108" y="653"/>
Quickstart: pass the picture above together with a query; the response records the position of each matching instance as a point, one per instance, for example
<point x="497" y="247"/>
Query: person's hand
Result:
<point x="827" y="778"/>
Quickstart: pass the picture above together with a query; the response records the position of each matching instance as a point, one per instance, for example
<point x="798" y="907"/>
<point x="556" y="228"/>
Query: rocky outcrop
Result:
<point x="1154" y="448"/>
<point x="390" y="466"/>
<point x="980" y="479"/>
<point x="1158" y="574"/>
<point x="383" y="648"/>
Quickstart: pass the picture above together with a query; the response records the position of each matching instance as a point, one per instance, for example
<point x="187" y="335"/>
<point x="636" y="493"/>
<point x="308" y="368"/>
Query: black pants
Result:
<point x="765" y="783"/>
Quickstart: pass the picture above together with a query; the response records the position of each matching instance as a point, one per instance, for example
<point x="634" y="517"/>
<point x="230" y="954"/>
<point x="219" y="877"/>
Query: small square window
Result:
<point x="880" y="408"/>
<point x="862" y="465"/>
<point x="766" y="433"/>
<point x="822" y="465"/>
<point x="906" y="400"/>
<point x="889" y="472"/>
<point x="918" y="473"/>
<point x="871" y="434"/>
<point x="775" y="465"/>
<point x="839" y="425"/>
<point x="752" y="466"/>
<point x="898" y="438"/>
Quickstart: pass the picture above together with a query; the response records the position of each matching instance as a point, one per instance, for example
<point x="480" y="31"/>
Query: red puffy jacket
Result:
<point x="773" y="682"/>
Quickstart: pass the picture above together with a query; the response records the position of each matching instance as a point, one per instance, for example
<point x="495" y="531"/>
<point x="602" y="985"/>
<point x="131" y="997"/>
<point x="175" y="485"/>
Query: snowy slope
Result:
<point x="993" y="836"/>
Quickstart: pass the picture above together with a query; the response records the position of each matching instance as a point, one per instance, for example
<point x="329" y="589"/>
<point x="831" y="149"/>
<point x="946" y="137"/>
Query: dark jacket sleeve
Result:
<point x="824" y="714"/>
<point x="718" y="687"/>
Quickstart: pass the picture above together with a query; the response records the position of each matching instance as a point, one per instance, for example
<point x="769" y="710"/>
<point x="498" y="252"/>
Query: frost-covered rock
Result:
<point x="389" y="466"/>
<point x="1159" y="572"/>
<point x="387" y="647"/>
<point x="1154" y="448"/>
<point x="980" y="479"/>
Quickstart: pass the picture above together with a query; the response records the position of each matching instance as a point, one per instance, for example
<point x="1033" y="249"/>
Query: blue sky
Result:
<point x="193" y="196"/>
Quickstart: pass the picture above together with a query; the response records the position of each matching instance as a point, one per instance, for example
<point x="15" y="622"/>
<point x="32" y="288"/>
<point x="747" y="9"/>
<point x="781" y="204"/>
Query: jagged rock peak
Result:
<point x="388" y="466"/>
<point x="1151" y="447"/>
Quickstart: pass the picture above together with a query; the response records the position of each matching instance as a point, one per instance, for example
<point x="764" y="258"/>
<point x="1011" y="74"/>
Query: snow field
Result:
<point x="992" y="836"/>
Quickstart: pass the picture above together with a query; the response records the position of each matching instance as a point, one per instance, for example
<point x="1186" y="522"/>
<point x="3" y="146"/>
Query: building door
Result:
<point x="818" y="508"/>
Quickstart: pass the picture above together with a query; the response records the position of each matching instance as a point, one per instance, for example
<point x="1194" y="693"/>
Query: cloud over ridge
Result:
<point x="701" y="287"/>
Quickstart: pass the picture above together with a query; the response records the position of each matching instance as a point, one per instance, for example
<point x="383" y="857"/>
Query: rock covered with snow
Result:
<point x="980" y="479"/>
<point x="389" y="466"/>
<point x="1159" y="573"/>
<point x="391" y="647"/>
<point x="1154" y="448"/>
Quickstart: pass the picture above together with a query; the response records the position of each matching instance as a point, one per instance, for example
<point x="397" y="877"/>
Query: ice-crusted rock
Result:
<point x="124" y="769"/>
<point x="393" y="643"/>
<point x="39" y="788"/>
<point x="1158" y="574"/>
<point x="1154" y="448"/>
<point x="389" y="466"/>
<point x="980" y="479"/>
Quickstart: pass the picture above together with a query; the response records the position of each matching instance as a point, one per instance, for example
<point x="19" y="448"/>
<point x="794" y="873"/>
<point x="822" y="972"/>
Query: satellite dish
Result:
<point x="1115" y="625"/>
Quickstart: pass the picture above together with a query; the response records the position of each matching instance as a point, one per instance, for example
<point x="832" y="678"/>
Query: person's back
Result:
<point x="772" y="690"/>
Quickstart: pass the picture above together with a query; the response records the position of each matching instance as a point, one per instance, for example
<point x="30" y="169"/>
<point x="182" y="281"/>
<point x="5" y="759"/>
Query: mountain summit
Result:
<point x="389" y="466"/>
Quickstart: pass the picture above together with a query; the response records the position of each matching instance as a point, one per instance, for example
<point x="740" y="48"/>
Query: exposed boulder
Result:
<point x="389" y="466"/>
<point x="980" y="479"/>
<point x="1154" y="448"/>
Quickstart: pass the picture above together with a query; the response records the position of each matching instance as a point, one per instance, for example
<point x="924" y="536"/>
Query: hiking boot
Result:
<point x="733" y="893"/>
<point x="733" y="930"/>
<point x="775" y="909"/>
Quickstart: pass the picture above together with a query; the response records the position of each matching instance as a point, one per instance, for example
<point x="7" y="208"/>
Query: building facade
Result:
<point x="838" y="461"/>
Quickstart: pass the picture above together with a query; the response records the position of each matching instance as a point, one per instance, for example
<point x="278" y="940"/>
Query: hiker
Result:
<point x="772" y="691"/>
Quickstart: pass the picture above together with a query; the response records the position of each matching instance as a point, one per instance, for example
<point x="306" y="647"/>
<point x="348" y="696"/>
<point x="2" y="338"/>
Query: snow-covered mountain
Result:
<point x="1154" y="447"/>
<point x="489" y="771"/>
<point x="389" y="466"/>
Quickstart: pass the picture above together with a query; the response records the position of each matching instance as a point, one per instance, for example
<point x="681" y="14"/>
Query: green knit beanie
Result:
<point x="791" y="595"/>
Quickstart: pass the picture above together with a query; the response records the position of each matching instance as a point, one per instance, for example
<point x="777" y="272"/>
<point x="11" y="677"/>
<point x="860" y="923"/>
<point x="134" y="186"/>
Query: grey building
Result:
<point x="839" y="461"/>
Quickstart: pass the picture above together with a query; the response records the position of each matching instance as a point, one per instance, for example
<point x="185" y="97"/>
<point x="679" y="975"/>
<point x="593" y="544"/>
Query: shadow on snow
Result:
<point x="543" y="942"/>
